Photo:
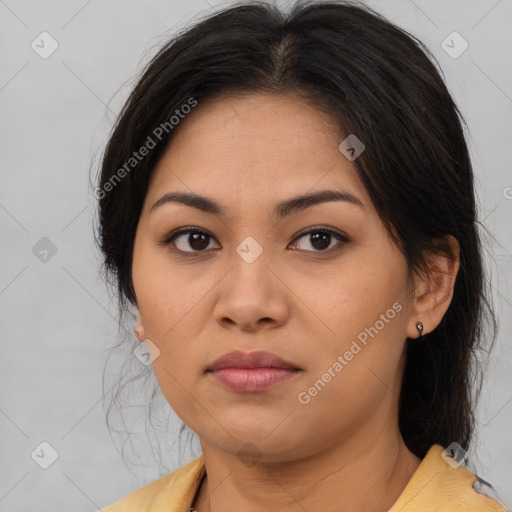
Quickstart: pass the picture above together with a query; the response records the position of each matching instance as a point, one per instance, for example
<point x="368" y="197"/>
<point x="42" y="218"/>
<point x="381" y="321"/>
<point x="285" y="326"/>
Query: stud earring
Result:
<point x="419" y="326"/>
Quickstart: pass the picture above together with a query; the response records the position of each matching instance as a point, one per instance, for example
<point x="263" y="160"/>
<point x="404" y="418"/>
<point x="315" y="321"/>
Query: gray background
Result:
<point x="57" y="318"/>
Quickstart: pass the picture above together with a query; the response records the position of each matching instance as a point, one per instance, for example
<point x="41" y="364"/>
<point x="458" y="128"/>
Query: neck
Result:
<point x="350" y="476"/>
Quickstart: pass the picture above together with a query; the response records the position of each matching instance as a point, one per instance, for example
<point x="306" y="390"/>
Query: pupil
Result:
<point x="198" y="245"/>
<point x="323" y="243"/>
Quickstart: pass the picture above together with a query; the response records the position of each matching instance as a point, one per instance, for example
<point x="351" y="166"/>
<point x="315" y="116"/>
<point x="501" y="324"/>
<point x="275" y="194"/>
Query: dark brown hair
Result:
<point x="374" y="80"/>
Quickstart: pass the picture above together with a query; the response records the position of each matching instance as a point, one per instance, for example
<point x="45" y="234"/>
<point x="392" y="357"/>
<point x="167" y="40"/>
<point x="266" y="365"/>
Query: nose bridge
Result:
<point x="250" y="263"/>
<point x="252" y="253"/>
<point x="251" y="291"/>
<point x="250" y="250"/>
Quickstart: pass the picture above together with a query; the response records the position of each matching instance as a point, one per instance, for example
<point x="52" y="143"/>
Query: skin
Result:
<point x="342" y="451"/>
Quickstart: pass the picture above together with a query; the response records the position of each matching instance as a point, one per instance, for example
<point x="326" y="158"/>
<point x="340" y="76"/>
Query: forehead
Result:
<point x="258" y="145"/>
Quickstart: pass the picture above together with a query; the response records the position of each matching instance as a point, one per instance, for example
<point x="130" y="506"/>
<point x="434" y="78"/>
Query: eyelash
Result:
<point x="169" y="239"/>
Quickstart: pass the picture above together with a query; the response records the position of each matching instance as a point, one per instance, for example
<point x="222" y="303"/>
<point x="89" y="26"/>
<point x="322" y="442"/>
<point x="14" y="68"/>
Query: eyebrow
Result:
<point x="281" y="210"/>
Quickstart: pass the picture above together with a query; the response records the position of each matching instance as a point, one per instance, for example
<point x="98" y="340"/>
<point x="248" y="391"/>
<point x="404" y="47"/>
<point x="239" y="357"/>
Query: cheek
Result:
<point x="351" y="297"/>
<point x="169" y="301"/>
<point x="363" y="311"/>
<point x="166" y="294"/>
<point x="355" y="376"/>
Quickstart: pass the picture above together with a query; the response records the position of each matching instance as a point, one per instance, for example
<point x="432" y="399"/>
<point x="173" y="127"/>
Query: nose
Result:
<point x="252" y="296"/>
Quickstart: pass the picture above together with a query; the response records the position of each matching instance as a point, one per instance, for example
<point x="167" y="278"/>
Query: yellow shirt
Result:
<point x="434" y="487"/>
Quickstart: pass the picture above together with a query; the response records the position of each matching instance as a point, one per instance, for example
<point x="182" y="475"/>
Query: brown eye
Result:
<point x="188" y="238"/>
<point x="321" y="239"/>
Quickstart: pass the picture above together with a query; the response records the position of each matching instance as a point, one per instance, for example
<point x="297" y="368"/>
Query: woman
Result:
<point x="280" y="201"/>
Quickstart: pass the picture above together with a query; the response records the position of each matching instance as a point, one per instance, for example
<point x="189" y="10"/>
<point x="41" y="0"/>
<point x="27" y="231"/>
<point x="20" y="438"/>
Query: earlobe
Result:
<point x="434" y="290"/>
<point x="139" y="328"/>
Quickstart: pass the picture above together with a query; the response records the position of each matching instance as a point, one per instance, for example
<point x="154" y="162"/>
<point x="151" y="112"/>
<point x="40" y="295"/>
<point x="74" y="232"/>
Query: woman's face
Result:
<point x="338" y="308"/>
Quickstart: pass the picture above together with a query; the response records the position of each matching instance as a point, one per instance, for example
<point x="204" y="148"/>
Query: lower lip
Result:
<point x="249" y="380"/>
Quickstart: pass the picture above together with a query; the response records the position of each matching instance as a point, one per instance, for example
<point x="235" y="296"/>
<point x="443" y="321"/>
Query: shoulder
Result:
<point x="440" y="484"/>
<point x="173" y="492"/>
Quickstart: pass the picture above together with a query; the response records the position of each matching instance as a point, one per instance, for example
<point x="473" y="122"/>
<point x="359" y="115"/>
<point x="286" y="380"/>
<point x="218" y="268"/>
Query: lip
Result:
<point x="251" y="372"/>
<point x="257" y="359"/>
<point x="252" y="380"/>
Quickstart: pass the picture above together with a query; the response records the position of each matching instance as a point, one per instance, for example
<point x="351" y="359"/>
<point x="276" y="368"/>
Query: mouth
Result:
<point x="251" y="372"/>
<point x="251" y="380"/>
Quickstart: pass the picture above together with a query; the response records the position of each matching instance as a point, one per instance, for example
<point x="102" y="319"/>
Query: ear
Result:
<point x="139" y="328"/>
<point x="434" y="290"/>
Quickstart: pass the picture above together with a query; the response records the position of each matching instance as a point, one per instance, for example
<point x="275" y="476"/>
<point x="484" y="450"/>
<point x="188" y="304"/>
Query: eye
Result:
<point x="320" y="238"/>
<point x="198" y="240"/>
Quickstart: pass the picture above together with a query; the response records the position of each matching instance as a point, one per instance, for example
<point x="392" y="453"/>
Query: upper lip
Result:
<point x="258" y="359"/>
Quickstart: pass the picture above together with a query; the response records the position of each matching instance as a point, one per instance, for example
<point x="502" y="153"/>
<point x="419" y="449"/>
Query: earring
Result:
<point x="419" y="326"/>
